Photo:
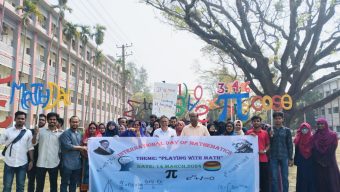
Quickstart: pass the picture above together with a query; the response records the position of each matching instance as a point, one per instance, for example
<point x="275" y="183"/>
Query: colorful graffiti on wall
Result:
<point x="35" y="94"/>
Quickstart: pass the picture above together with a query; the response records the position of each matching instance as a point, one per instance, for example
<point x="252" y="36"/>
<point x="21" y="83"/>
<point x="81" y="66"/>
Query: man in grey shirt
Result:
<point x="71" y="159"/>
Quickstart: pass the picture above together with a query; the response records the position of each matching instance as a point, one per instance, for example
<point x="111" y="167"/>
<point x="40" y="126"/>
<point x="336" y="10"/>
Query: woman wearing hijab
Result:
<point x="238" y="127"/>
<point x="91" y="131"/>
<point x="324" y="143"/>
<point x="111" y="129"/>
<point x="229" y="128"/>
<point x="221" y="128"/>
<point x="305" y="178"/>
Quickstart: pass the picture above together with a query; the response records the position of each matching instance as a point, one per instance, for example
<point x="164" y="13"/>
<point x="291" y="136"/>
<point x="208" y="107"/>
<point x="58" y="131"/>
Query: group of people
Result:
<point x="50" y="149"/>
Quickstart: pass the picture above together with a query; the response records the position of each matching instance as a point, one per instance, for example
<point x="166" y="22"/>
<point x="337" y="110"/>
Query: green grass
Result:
<point x="292" y="175"/>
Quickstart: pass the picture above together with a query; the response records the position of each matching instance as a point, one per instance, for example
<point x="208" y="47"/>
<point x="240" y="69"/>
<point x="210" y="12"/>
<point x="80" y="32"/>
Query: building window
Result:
<point x="63" y="64"/>
<point x="335" y="109"/>
<point x="80" y="101"/>
<point x="73" y="44"/>
<point x="28" y="51"/>
<point x="99" y="84"/>
<point x="93" y="81"/>
<point x="81" y="75"/>
<point x="73" y="70"/>
<point x="323" y="111"/>
<point x="54" y="29"/>
<point x="329" y="110"/>
<point x="41" y="51"/>
<point x="338" y="128"/>
<point x="53" y="60"/>
<point x="93" y="104"/>
<point x="87" y="77"/>
<point x="43" y="22"/>
<point x="88" y="56"/>
<point x="72" y="99"/>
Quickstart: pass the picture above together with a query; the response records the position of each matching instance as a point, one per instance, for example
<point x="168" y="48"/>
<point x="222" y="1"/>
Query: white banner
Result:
<point x="164" y="99"/>
<point x="200" y="164"/>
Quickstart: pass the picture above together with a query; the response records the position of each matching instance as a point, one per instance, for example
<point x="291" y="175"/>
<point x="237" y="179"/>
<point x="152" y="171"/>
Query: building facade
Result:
<point x="331" y="110"/>
<point x="96" y="91"/>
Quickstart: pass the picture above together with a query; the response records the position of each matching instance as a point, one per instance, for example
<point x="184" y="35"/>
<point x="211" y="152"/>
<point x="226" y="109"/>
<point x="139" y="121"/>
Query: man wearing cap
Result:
<point x="104" y="149"/>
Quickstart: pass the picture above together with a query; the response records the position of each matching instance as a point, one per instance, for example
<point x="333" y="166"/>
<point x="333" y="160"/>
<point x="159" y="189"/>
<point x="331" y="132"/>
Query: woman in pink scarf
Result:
<point x="324" y="143"/>
<point x="91" y="131"/>
<point x="305" y="175"/>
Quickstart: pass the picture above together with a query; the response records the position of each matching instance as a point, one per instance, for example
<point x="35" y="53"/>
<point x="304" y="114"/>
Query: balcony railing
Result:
<point x="4" y="60"/>
<point x="6" y="48"/>
<point x="4" y="90"/>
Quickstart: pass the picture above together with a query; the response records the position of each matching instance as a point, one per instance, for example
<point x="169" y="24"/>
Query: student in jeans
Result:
<point x="48" y="155"/>
<point x="16" y="161"/>
<point x="70" y="143"/>
<point x="31" y="174"/>
<point x="281" y="152"/>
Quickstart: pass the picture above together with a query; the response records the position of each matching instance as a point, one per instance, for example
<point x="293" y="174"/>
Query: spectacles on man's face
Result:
<point x="320" y="124"/>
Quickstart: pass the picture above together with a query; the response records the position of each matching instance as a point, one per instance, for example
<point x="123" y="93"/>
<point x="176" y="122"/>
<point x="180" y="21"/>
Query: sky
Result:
<point x="166" y="53"/>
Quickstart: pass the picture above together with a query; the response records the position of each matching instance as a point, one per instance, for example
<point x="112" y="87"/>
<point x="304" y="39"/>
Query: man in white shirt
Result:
<point x="16" y="161"/>
<point x="48" y="156"/>
<point x="194" y="128"/>
<point x="164" y="131"/>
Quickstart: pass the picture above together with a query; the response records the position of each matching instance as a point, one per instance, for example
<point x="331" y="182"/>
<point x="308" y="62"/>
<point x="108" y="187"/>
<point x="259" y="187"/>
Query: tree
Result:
<point x="138" y="77"/>
<point x="62" y="7"/>
<point x="29" y="9"/>
<point x="276" y="44"/>
<point x="98" y="57"/>
<point x="142" y="111"/>
<point x="84" y="36"/>
<point x="99" y="34"/>
<point x="71" y="33"/>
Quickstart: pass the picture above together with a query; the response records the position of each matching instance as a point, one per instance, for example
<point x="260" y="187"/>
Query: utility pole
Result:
<point x="123" y="57"/>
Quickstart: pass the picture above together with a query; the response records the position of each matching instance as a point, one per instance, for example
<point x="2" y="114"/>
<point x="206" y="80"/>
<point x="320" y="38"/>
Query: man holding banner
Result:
<point x="164" y="131"/>
<point x="71" y="159"/>
<point x="264" y="145"/>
